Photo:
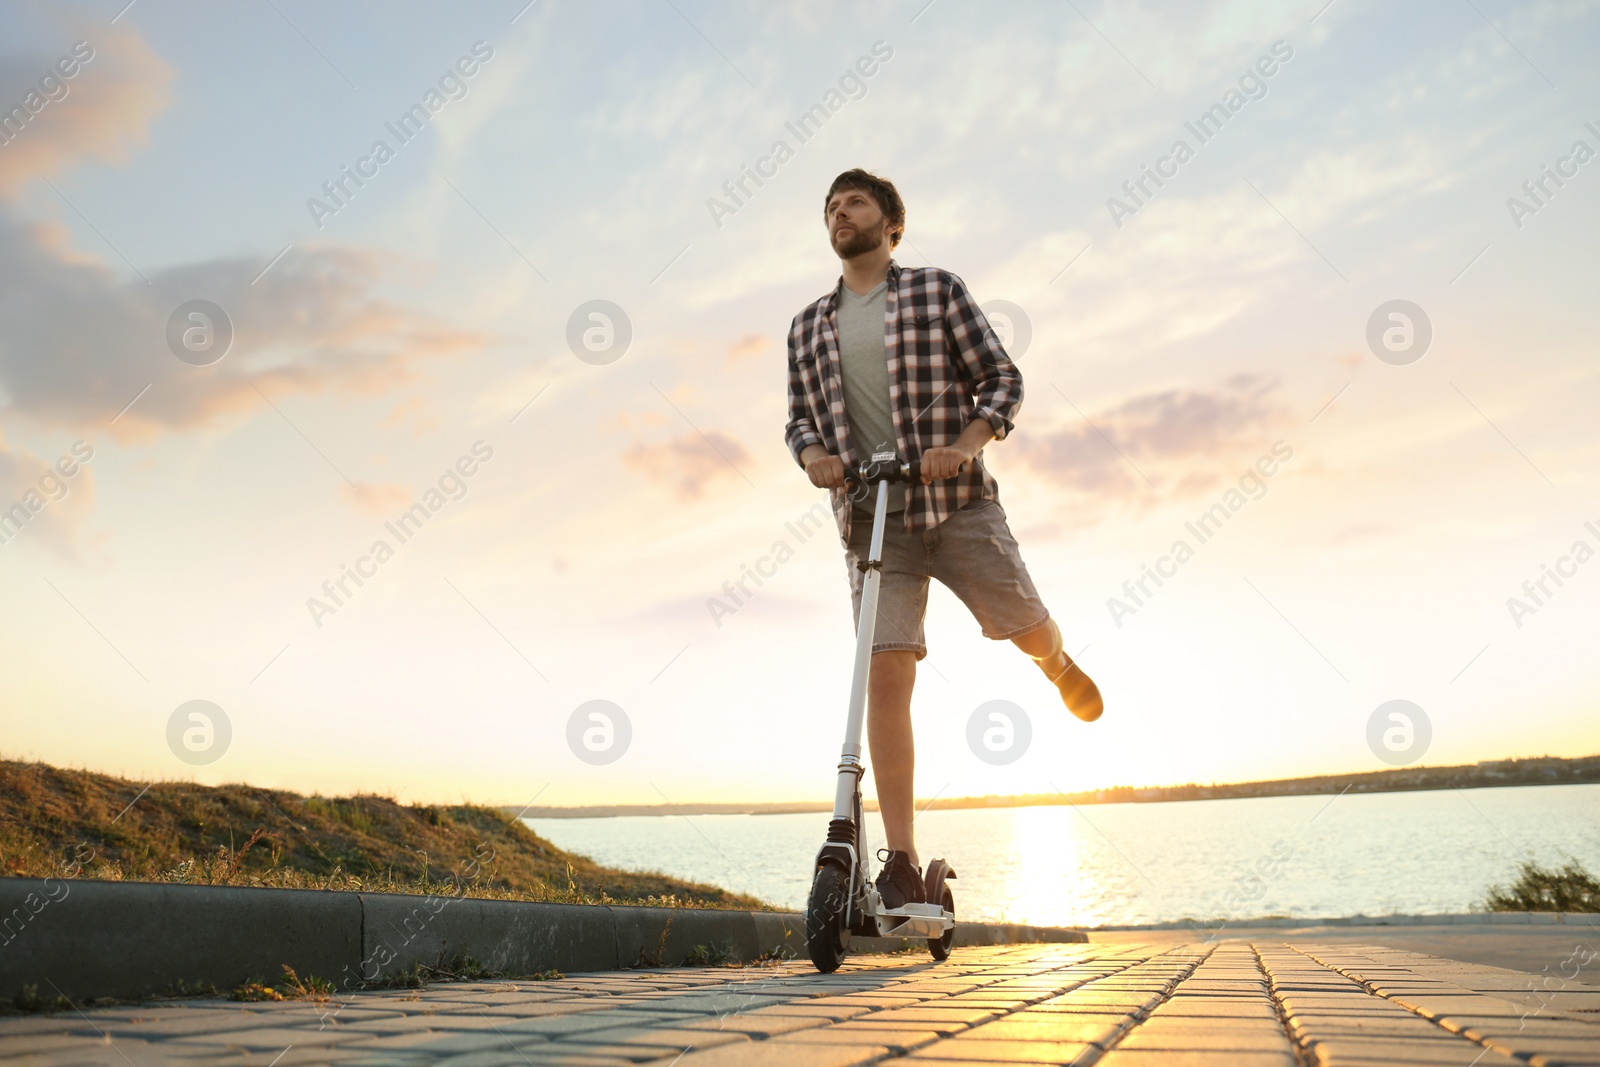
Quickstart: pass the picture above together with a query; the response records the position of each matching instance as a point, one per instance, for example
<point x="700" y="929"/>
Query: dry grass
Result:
<point x="77" y="824"/>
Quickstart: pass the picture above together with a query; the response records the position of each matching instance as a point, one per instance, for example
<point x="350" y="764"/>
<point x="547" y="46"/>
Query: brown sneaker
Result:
<point x="1077" y="689"/>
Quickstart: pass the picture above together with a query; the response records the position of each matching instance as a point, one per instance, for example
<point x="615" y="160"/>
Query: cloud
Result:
<point x="40" y="503"/>
<point x="749" y="346"/>
<point x="77" y="344"/>
<point x="377" y="498"/>
<point x="103" y="117"/>
<point x="689" y="463"/>
<point x="414" y="413"/>
<point x="1166" y="435"/>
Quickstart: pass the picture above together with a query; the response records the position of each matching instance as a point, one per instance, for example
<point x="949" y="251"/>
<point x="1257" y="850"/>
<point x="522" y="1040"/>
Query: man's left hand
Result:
<point x="940" y="463"/>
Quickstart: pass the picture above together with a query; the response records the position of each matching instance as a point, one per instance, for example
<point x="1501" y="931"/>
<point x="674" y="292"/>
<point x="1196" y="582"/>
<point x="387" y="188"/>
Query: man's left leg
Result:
<point x="1078" y="691"/>
<point x="979" y="560"/>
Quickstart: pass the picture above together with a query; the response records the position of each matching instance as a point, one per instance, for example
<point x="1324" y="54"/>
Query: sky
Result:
<point x="592" y="488"/>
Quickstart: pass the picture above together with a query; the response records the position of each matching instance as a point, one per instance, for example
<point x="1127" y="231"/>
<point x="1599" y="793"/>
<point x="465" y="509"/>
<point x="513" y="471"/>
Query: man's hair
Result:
<point x="881" y="190"/>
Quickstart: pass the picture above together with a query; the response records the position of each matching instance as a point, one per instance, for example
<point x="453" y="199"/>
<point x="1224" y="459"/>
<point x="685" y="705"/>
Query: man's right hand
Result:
<point x="825" y="471"/>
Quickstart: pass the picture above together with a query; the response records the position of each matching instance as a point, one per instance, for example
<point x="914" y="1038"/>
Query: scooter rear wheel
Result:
<point x="940" y="946"/>
<point x="827" y="939"/>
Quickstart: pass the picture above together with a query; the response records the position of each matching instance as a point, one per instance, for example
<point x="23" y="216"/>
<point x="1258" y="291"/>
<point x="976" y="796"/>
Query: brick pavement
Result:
<point x="1253" y="1003"/>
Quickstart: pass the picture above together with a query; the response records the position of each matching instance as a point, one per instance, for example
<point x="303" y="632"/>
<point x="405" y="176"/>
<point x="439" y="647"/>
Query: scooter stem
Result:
<point x="850" y="768"/>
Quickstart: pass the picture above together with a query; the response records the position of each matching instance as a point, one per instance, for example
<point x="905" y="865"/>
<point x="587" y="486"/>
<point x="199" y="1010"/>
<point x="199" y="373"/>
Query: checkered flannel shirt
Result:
<point x="946" y="368"/>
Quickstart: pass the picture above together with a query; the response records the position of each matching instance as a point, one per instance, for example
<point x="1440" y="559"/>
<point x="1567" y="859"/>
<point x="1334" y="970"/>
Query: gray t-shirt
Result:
<point x="864" y="362"/>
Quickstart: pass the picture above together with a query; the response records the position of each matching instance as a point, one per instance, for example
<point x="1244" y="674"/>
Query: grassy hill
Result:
<point x="70" y="823"/>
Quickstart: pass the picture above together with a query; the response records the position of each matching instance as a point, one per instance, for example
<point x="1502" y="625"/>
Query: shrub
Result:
<point x="1570" y="889"/>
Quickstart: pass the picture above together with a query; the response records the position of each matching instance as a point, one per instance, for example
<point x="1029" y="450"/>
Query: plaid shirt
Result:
<point x="946" y="368"/>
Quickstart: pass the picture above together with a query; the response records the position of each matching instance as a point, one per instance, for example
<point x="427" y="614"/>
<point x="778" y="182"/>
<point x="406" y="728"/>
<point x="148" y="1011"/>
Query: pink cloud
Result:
<point x="375" y="498"/>
<point x="45" y="501"/>
<point x="750" y="346"/>
<point x="689" y="463"/>
<point x="1169" y="436"/>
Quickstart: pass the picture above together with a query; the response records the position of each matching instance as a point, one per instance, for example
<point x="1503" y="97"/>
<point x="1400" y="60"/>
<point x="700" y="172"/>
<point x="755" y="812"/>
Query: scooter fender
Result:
<point x="933" y="880"/>
<point x="840" y="855"/>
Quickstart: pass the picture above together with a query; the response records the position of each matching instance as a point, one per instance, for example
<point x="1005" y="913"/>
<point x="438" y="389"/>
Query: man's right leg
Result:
<point x="893" y="758"/>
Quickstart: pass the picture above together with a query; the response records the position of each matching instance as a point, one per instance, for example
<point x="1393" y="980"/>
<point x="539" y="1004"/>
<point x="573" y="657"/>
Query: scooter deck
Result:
<point x="920" y="911"/>
<point x="915" y="920"/>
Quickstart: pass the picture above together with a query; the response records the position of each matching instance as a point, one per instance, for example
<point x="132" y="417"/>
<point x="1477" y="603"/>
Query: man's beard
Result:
<point x="860" y="241"/>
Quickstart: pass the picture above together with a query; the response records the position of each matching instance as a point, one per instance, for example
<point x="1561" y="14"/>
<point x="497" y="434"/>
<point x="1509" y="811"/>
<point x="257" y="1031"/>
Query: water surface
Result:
<point x="1416" y="853"/>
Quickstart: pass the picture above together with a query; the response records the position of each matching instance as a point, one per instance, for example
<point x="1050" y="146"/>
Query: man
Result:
<point x="898" y="358"/>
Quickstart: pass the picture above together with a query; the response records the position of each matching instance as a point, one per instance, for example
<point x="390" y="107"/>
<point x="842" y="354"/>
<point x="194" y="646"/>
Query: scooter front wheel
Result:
<point x="827" y="939"/>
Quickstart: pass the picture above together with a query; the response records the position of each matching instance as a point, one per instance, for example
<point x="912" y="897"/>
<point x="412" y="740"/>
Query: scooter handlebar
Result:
<point x="873" y="471"/>
<point x="859" y="480"/>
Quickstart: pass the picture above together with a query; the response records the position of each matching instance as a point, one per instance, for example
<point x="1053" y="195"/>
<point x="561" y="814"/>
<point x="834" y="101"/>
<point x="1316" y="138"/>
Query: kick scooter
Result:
<point x="844" y="900"/>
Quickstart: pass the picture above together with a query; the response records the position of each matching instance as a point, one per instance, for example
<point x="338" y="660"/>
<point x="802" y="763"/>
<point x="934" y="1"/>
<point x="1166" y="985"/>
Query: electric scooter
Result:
<point x="844" y="900"/>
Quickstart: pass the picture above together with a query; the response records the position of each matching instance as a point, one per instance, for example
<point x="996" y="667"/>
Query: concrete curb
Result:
<point x="1487" y="918"/>
<point x="84" y="939"/>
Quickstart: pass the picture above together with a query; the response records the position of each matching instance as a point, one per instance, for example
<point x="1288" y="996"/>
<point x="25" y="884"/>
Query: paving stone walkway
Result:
<point x="1229" y="1004"/>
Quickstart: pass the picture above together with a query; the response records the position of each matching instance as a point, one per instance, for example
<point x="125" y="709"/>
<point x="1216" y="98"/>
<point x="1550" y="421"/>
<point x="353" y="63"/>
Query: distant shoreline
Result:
<point x="1540" y="770"/>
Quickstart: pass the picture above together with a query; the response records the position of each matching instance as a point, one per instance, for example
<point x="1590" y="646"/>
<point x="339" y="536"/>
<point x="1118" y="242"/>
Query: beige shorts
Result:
<point x="972" y="553"/>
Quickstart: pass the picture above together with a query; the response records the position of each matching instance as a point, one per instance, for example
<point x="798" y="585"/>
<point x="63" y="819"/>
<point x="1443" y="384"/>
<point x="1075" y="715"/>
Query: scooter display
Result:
<point x="844" y="900"/>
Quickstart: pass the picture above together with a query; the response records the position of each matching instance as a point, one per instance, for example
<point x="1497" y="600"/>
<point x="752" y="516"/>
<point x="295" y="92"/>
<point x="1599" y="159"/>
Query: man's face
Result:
<point x="856" y="225"/>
